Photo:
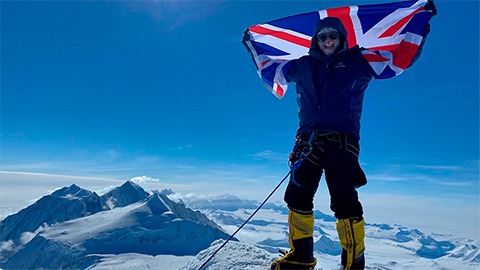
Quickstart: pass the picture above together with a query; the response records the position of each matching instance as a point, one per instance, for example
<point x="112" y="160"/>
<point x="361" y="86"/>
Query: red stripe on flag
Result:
<point x="281" y="35"/>
<point x="398" y="25"/>
<point x="279" y="90"/>
<point x="384" y="48"/>
<point x="343" y="13"/>
<point x="403" y="58"/>
<point x="264" y="63"/>
<point x="373" y="57"/>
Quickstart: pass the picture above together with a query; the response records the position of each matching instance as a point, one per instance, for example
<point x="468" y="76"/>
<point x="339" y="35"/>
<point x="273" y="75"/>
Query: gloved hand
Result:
<point x="431" y="6"/>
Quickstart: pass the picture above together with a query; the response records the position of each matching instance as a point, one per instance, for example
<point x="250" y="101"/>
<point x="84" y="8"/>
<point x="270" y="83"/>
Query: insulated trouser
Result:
<point x="336" y="154"/>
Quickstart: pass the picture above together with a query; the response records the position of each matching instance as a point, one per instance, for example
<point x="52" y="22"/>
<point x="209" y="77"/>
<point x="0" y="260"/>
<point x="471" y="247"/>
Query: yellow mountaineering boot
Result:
<point x="300" y="238"/>
<point x="351" y="233"/>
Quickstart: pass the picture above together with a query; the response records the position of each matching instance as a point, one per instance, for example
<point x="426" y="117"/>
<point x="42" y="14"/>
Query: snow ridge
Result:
<point x="153" y="226"/>
<point x="234" y="255"/>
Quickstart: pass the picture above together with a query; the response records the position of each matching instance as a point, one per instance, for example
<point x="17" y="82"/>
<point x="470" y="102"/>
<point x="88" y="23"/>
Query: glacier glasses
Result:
<point x="324" y="36"/>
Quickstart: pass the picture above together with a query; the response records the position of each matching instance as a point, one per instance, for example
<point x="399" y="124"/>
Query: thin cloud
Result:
<point x="419" y="172"/>
<point x="438" y="167"/>
<point x="47" y="176"/>
<point x="270" y="156"/>
<point x="388" y="178"/>
<point x="458" y="183"/>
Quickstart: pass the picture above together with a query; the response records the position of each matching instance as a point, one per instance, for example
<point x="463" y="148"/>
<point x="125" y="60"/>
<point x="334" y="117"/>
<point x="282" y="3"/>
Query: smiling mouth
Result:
<point x="328" y="46"/>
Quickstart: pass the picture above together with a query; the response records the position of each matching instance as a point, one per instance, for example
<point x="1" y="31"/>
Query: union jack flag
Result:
<point x="391" y="34"/>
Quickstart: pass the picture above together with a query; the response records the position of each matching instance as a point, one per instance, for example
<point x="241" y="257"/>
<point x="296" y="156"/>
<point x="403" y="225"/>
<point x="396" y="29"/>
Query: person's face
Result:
<point x="329" y="42"/>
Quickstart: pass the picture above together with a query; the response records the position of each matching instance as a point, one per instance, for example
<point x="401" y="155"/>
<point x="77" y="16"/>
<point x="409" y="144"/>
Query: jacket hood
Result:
<point x="331" y="22"/>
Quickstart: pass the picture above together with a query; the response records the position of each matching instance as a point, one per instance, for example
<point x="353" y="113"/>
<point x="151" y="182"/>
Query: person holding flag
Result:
<point x="330" y="80"/>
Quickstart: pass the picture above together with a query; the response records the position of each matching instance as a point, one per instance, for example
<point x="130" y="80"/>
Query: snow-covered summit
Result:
<point x="155" y="225"/>
<point x="72" y="191"/>
<point x="124" y="195"/>
<point x="62" y="205"/>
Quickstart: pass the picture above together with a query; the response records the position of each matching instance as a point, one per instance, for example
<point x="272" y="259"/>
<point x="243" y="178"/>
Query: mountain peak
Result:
<point x="167" y="192"/>
<point x="74" y="186"/>
<point x="129" y="184"/>
<point x="72" y="191"/>
<point x="124" y="195"/>
<point x="64" y="204"/>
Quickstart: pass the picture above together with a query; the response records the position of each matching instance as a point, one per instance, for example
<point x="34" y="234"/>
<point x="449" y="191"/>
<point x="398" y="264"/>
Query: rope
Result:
<point x="246" y="221"/>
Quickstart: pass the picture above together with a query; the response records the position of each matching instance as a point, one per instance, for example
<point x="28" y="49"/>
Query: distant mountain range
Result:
<point x="64" y="229"/>
<point x="74" y="228"/>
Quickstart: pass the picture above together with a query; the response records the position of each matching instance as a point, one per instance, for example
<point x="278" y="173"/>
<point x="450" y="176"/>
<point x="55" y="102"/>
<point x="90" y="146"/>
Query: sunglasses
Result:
<point x="324" y="36"/>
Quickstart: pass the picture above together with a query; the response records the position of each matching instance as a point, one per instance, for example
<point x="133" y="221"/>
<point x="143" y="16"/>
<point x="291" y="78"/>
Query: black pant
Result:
<point x="336" y="154"/>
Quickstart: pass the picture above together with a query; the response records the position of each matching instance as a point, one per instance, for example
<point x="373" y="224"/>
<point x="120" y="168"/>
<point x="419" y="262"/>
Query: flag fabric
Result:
<point x="391" y="34"/>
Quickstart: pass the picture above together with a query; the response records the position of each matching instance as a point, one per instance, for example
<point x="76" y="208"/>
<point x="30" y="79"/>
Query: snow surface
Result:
<point x="140" y="230"/>
<point x="234" y="255"/>
<point x="139" y="261"/>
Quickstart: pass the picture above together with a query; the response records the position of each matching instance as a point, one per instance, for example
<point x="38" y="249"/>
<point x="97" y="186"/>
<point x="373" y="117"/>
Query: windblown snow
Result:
<point x="130" y="228"/>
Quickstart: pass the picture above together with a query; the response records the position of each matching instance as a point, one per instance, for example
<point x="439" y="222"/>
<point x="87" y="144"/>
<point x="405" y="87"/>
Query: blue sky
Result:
<point x="102" y="92"/>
